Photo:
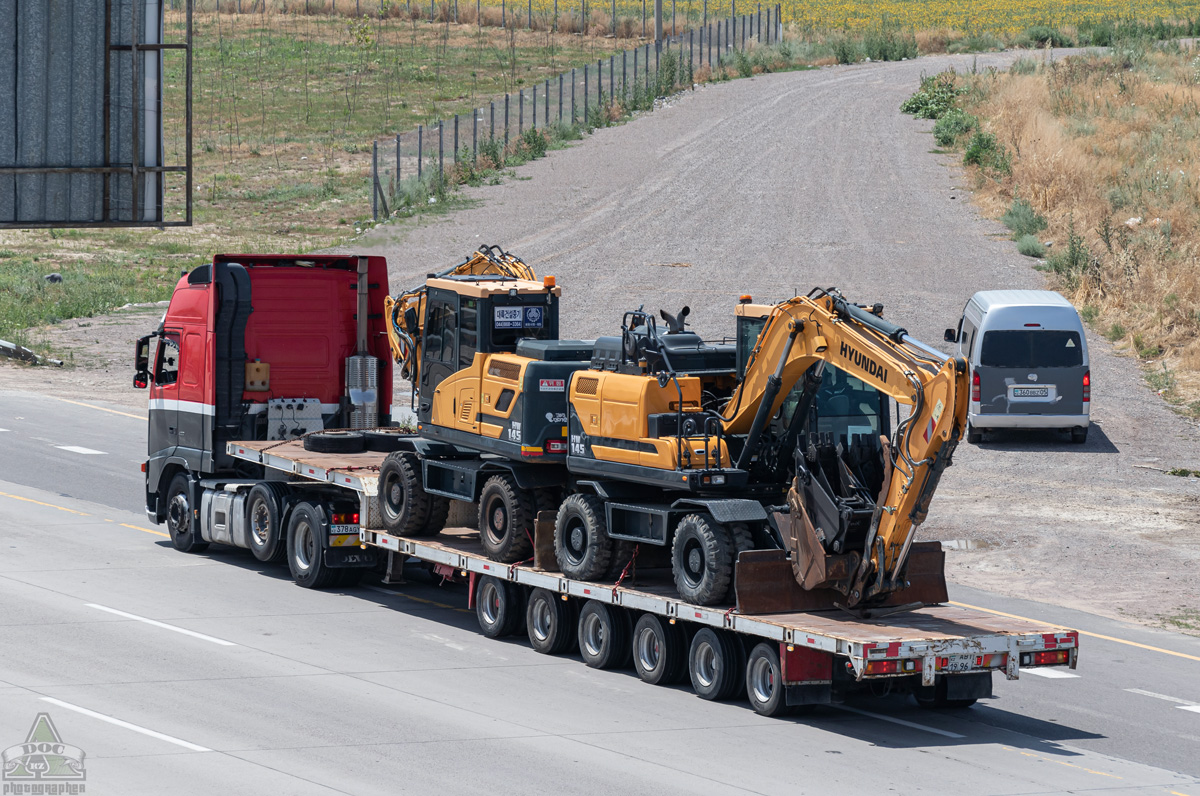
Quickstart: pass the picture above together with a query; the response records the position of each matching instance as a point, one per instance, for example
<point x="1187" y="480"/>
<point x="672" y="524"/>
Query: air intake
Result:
<point x="362" y="388"/>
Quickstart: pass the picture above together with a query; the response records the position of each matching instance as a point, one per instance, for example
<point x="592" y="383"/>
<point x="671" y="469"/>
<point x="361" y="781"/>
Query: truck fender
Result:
<point x="726" y="510"/>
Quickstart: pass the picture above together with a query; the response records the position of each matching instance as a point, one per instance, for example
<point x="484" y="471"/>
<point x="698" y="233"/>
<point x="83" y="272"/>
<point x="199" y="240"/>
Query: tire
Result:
<point x="603" y="636"/>
<point x="384" y="441"/>
<point x="348" y="577"/>
<point x="974" y="435"/>
<point x="581" y="543"/>
<point x="264" y="529"/>
<point x="180" y="516"/>
<point x="305" y="553"/>
<point x="439" y="510"/>
<point x="404" y="505"/>
<point x="716" y="664"/>
<point x="660" y="650"/>
<point x="506" y="517"/>
<point x="497" y="607"/>
<point x="702" y="559"/>
<point x="1079" y="435"/>
<point x="743" y="540"/>
<point x="764" y="681"/>
<point x="550" y="623"/>
<point x="334" y="442"/>
<point x="939" y="701"/>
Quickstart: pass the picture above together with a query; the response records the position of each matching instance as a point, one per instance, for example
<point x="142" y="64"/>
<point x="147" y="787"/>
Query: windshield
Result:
<point x="845" y="406"/>
<point x="1031" y="348"/>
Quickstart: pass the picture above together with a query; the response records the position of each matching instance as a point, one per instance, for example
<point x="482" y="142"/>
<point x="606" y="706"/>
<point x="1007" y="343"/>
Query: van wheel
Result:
<point x="702" y="559"/>
<point x="1079" y="435"/>
<point x="581" y="542"/>
<point x="306" y="555"/>
<point x="179" y="516"/>
<point x="264" y="534"/>
<point x="506" y="517"/>
<point x="974" y="435"/>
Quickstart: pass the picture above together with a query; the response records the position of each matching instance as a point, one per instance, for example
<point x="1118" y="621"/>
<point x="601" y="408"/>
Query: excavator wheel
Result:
<point x="404" y="505"/>
<point x="702" y="558"/>
<point x="506" y="520"/>
<point x="743" y="540"/>
<point x="581" y="543"/>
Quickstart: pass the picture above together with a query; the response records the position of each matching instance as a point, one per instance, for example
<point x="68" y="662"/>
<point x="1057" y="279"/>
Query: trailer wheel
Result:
<point x="305" y="554"/>
<point x="660" y="650"/>
<point x="506" y="517"/>
<point x="550" y="622"/>
<point x="764" y="681"/>
<point x="497" y="607"/>
<point x="334" y="442"/>
<point x="404" y="505"/>
<point x="716" y="664"/>
<point x="603" y="636"/>
<point x="265" y="534"/>
<point x="179" y="516"/>
<point x="581" y="543"/>
<point x="935" y="698"/>
<point x="702" y="559"/>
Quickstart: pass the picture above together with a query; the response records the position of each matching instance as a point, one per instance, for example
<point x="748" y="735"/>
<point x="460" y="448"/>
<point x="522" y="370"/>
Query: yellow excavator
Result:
<point x="772" y="451"/>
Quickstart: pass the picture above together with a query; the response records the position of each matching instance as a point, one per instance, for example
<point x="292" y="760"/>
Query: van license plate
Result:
<point x="1031" y="392"/>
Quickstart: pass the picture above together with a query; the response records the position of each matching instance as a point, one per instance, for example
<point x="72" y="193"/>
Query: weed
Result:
<point x="886" y="43"/>
<point x="847" y="50"/>
<point x="1030" y="246"/>
<point x="988" y="154"/>
<point x="1022" y="219"/>
<point x="1023" y="66"/>
<point x="1115" y="332"/>
<point x="1044" y="36"/>
<point x="1145" y="350"/>
<point x="1089" y="313"/>
<point x="934" y="98"/>
<point x="952" y="125"/>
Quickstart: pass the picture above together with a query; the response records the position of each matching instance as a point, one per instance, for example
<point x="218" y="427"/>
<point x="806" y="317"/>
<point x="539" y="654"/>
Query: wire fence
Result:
<point x="570" y="98"/>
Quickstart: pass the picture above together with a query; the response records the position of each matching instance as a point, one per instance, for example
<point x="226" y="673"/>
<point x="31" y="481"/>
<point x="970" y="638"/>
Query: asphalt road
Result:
<point x="242" y="681"/>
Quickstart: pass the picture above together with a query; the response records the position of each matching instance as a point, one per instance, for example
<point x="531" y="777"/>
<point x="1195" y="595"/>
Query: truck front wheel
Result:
<point x="304" y="550"/>
<point x="180" y="512"/>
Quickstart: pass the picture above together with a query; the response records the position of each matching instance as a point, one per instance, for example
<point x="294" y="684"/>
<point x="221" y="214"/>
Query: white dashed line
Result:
<point x="2" y="430"/>
<point x="1186" y="704"/>
<point x="127" y="725"/>
<point x="1050" y="674"/>
<point x="163" y="625"/>
<point x="77" y="449"/>
<point x="901" y="722"/>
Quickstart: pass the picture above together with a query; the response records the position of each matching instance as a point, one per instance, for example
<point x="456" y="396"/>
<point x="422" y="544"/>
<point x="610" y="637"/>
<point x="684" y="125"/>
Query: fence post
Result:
<point x="397" y="165"/>
<point x="705" y="14"/>
<point x="612" y="86"/>
<point x="624" y="76"/>
<point x="585" y="95"/>
<point x="672" y="17"/>
<point x="691" y="60"/>
<point x="643" y="19"/>
<point x="375" y="180"/>
<point x="555" y="23"/>
<point x="420" y="149"/>
<point x="456" y="138"/>
<point x="613" y="24"/>
<point x="768" y="25"/>
<point x="506" y="122"/>
<point x="600" y="84"/>
<point x="530" y="17"/>
<point x="534" y="122"/>
<point x="504" y="13"/>
<point x="474" y="134"/>
<point x="492" y="122"/>
<point x="560" y="97"/>
<point x="546" y="94"/>
<point x="718" y="44"/>
<point x="648" y="72"/>
<point x="572" y="97"/>
<point x="635" y="75"/>
<point x="521" y="113"/>
<point x="441" y="148"/>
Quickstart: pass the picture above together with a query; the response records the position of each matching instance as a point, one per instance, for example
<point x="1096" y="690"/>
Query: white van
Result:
<point x="1029" y="362"/>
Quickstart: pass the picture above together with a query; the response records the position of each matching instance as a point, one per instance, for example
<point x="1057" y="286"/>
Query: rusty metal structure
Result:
<point x="81" y="114"/>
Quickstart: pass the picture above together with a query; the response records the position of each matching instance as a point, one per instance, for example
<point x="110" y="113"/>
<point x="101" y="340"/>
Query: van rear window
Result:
<point x="1031" y="348"/>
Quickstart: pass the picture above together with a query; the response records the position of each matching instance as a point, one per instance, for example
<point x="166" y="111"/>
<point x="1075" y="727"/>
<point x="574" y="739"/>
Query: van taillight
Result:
<point x="1087" y="387"/>
<point x="975" y="386"/>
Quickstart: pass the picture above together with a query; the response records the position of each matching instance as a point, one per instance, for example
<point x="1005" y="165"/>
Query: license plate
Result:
<point x="958" y="663"/>
<point x="1031" y="392"/>
<point x="344" y="529"/>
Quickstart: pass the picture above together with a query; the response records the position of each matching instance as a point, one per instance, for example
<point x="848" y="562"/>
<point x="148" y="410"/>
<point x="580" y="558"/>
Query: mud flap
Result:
<point x="543" y="542"/>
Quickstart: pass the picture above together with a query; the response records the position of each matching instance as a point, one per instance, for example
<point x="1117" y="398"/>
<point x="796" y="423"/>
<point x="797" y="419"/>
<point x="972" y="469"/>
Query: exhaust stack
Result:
<point x="362" y="369"/>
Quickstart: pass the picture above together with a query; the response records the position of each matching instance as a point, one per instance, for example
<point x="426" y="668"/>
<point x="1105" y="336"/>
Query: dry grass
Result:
<point x="1110" y="146"/>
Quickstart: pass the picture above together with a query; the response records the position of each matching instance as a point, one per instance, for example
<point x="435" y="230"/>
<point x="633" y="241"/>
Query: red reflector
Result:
<point x="975" y="386"/>
<point x="882" y="667"/>
<point x="1034" y="325"/>
<point x="354" y="518"/>
<point x="1051" y="657"/>
<point x="143" y="467"/>
<point x="1087" y="386"/>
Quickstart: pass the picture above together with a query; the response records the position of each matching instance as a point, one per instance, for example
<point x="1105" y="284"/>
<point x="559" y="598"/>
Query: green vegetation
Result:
<point x="935" y="97"/>
<point x="985" y="151"/>
<point x="1030" y="246"/>
<point x="952" y="125"/>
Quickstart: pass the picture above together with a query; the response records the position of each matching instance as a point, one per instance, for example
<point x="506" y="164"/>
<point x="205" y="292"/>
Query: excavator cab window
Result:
<point x="521" y="317"/>
<point x="748" y="330"/>
<point x="846" y="407"/>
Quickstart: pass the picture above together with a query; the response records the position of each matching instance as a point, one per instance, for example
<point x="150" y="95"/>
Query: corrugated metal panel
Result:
<point x="52" y="97"/>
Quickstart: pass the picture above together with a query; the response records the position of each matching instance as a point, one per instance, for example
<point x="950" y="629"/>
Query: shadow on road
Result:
<point x="1028" y="440"/>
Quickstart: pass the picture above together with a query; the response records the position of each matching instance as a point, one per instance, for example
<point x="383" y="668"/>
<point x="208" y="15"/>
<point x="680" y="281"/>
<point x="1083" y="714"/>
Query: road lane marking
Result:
<point x="1060" y="762"/>
<point x="47" y="505"/>
<point x="1083" y="632"/>
<point x="102" y="409"/>
<point x="163" y="625"/>
<point x="145" y="530"/>
<point x="1192" y="708"/>
<point x="143" y="730"/>
<point x="1164" y="697"/>
<point x="418" y="599"/>
<point x="2" y="430"/>
<point x="901" y="722"/>
<point x="78" y="449"/>
<point x="1049" y="674"/>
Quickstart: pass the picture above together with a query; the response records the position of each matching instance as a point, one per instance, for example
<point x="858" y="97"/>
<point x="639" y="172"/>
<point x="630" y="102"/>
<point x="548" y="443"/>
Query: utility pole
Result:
<point x="658" y="33"/>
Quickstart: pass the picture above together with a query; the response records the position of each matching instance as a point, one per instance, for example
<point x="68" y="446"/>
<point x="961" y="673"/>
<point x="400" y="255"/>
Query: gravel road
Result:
<point x="779" y="183"/>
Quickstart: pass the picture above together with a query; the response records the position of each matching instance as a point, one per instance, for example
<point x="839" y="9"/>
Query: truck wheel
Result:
<point x="603" y="636"/>
<point x="384" y="441"/>
<point x="974" y="435"/>
<point x="550" y="622"/>
<point x="497" y="607"/>
<point x="506" y="517"/>
<point x="660" y="650"/>
<point x="180" y="512"/>
<point x="1079" y="435"/>
<point x="404" y="505"/>
<point x="702" y="559"/>
<point x="264" y="532"/>
<point x="334" y="442"/>
<point x="935" y="698"/>
<point x="716" y="664"/>
<point x="581" y="542"/>
<point x="764" y="681"/>
<point x="305" y="554"/>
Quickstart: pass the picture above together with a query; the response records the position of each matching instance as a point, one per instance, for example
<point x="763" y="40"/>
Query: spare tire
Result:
<point x="334" y="442"/>
<point x="385" y="441"/>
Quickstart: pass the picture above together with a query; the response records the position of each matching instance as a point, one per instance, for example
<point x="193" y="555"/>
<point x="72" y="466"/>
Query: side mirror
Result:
<point x="141" y="362"/>
<point x="951" y="336"/>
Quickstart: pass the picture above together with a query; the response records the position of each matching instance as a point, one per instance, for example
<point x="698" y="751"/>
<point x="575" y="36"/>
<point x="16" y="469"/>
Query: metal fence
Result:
<point x="568" y="99"/>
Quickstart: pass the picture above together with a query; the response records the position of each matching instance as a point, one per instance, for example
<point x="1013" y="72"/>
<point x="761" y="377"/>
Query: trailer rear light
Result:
<point x="1087" y="387"/>
<point x="346" y="518"/>
<point x="882" y="667"/>
<point x="143" y="467"/>
<point x="975" y="386"/>
<point x="556" y="446"/>
<point x="1051" y="657"/>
